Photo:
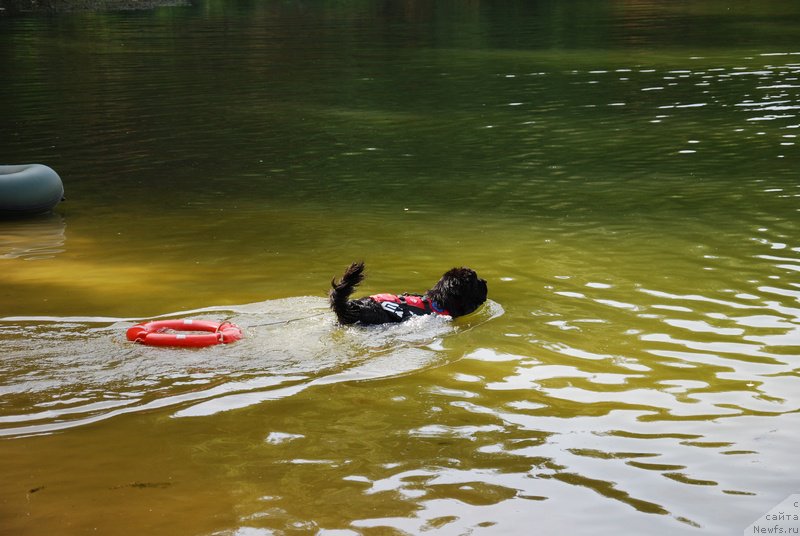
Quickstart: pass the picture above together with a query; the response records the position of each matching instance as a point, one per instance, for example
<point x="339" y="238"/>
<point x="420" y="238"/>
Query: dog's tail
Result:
<point x="341" y="291"/>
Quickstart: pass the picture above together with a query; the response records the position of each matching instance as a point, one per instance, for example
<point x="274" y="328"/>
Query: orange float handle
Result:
<point x="156" y="333"/>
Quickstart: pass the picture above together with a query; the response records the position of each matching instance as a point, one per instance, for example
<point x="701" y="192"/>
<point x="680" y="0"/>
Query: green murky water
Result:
<point x="624" y="174"/>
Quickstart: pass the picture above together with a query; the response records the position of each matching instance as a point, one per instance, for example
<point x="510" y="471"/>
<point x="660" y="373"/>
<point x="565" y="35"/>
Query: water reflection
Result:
<point x="41" y="237"/>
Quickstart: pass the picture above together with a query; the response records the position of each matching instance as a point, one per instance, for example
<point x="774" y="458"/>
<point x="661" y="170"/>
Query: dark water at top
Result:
<point x="624" y="174"/>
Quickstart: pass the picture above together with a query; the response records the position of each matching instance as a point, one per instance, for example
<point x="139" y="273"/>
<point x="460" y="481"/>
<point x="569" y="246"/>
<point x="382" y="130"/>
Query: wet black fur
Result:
<point x="460" y="291"/>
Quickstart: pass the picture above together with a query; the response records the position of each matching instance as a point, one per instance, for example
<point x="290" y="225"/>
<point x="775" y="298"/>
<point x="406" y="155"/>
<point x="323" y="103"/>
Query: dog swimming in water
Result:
<point x="459" y="292"/>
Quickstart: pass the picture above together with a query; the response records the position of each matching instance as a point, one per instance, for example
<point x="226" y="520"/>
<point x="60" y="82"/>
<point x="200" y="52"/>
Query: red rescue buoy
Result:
<point x="155" y="333"/>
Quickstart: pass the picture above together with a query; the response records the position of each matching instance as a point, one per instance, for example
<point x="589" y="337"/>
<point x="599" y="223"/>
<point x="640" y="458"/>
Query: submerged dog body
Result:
<point x="459" y="292"/>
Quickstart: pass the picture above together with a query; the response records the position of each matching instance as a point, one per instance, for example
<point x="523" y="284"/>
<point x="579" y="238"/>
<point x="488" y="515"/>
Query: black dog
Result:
<point x="459" y="292"/>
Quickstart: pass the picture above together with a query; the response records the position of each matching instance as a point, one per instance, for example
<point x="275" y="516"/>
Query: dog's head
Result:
<point x="460" y="291"/>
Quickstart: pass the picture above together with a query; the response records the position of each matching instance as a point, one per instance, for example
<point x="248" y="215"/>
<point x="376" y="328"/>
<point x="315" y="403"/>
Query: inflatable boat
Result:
<point x="29" y="189"/>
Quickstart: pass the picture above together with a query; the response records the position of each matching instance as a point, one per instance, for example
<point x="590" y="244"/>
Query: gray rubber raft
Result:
<point x="29" y="189"/>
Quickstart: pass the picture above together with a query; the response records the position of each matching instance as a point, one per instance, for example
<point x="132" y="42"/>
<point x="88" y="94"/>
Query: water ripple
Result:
<point x="60" y="373"/>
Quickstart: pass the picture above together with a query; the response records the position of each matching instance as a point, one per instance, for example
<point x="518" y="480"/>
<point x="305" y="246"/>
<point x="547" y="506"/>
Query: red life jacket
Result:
<point x="408" y="305"/>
